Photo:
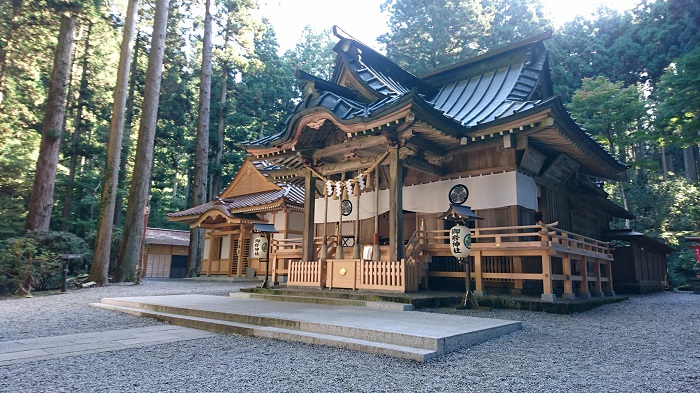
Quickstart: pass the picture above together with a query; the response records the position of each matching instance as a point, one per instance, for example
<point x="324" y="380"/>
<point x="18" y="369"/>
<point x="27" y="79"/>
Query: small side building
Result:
<point x="166" y="253"/>
<point x="640" y="261"/>
<point x="228" y="223"/>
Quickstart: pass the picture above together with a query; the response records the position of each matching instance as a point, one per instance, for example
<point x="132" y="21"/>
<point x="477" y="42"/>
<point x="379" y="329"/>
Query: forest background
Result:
<point x="631" y="78"/>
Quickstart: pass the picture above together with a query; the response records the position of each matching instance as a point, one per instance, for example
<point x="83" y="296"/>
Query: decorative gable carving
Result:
<point x="247" y="181"/>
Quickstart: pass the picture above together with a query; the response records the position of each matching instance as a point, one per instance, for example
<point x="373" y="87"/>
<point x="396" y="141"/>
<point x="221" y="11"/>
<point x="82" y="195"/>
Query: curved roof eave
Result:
<point x="402" y="76"/>
<point x="492" y="53"/>
<point x="562" y="117"/>
<point x="421" y="108"/>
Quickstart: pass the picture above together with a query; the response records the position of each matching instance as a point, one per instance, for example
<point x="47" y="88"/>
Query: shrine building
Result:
<point x="374" y="166"/>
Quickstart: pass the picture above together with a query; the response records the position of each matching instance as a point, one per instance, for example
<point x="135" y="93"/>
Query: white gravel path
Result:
<point x="646" y="344"/>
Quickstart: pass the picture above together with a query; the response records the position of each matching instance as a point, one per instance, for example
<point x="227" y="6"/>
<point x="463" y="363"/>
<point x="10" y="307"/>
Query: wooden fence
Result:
<point x="355" y="274"/>
<point x="304" y="273"/>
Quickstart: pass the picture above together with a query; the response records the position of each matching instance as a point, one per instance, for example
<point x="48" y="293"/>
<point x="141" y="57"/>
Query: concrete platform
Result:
<point x="403" y="334"/>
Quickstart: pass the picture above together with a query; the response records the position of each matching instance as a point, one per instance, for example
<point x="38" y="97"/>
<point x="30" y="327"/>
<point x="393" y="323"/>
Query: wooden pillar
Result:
<point x="395" y="206"/>
<point x="518" y="268"/>
<point x="610" y="291"/>
<point x="597" y="287"/>
<point x="239" y="263"/>
<point x="211" y="249"/>
<point x="547" y="293"/>
<point x="568" y="284"/>
<point x="478" y="275"/>
<point x="273" y="262"/>
<point x="309" y="206"/>
<point x="583" y="267"/>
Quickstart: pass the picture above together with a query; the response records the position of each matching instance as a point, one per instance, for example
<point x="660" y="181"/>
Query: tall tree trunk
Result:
<point x="6" y="51"/>
<point x="216" y="180"/>
<point x="664" y="163"/>
<point x="177" y="172"/>
<point x="126" y="142"/>
<point x="82" y="91"/>
<point x="201" y="160"/>
<point x="140" y="180"/>
<point x="41" y="200"/>
<point x="691" y="172"/>
<point x="100" y="261"/>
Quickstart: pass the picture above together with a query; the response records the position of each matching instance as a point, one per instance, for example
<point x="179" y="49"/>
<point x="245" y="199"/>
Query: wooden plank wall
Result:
<point x="158" y="257"/>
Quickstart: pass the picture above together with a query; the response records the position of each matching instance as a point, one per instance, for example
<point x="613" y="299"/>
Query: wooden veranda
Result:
<point x="557" y="261"/>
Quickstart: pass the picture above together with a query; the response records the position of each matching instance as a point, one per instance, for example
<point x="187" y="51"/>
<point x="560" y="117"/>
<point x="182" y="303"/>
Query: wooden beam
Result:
<point x="423" y="166"/>
<point x="274" y="175"/>
<point x="349" y="146"/>
<point x="349" y="165"/>
<point x="433" y="148"/>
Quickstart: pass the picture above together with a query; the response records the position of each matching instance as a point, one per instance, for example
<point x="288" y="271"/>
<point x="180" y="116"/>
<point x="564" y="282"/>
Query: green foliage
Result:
<point x="632" y="47"/>
<point x="61" y="243"/>
<point x="425" y="35"/>
<point x="679" y="108"/>
<point x="513" y="20"/>
<point x="665" y="209"/>
<point x="313" y="53"/>
<point x="25" y="266"/>
<point x="610" y="112"/>
<point x="680" y="266"/>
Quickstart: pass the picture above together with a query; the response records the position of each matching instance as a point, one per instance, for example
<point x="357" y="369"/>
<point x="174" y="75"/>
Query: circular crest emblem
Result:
<point x="458" y="194"/>
<point x="346" y="207"/>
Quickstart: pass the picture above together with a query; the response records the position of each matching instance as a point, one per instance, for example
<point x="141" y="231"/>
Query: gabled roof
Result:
<point x="247" y="181"/>
<point x="500" y="91"/>
<point x="248" y="193"/>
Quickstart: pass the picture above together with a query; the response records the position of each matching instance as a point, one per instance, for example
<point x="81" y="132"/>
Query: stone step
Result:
<point x="257" y="320"/>
<point x="443" y="299"/>
<point x="354" y="295"/>
<point x="227" y="327"/>
<point x="404" y="334"/>
<point x="326" y="300"/>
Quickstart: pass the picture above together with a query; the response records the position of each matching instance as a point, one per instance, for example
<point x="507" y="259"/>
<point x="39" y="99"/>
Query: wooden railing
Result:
<point x="499" y="250"/>
<point x="574" y="243"/>
<point x="526" y="237"/>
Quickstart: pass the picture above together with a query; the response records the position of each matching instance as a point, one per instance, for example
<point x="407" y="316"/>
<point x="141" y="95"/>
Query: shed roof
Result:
<point x="169" y="237"/>
<point x="636" y="237"/>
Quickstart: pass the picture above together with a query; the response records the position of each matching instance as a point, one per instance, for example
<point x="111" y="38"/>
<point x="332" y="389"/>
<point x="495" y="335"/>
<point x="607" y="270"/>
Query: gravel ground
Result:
<point x="646" y="344"/>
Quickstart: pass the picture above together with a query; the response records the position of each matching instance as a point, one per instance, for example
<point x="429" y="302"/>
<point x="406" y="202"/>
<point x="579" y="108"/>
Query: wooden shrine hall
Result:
<point x="229" y="220"/>
<point x="382" y="155"/>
